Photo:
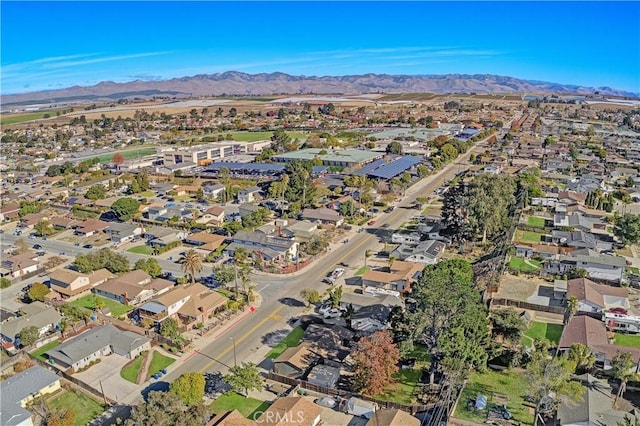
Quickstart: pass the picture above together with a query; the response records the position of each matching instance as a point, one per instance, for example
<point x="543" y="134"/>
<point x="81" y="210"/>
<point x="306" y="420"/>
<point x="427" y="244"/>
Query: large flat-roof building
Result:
<point x="204" y="154"/>
<point x="335" y="157"/>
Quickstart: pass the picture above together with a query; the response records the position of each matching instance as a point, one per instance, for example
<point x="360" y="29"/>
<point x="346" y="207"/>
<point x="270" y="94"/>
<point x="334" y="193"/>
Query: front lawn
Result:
<point x="292" y="339"/>
<point x="248" y="407"/>
<point x="361" y="271"/>
<point x="628" y="340"/>
<point x="551" y="332"/>
<point x="39" y="353"/>
<point x="84" y="407"/>
<point x="536" y="221"/>
<point x="519" y="264"/>
<point x="89" y="301"/>
<point x="143" y="249"/>
<point x="497" y="386"/>
<point x="130" y="371"/>
<point x="159" y="362"/>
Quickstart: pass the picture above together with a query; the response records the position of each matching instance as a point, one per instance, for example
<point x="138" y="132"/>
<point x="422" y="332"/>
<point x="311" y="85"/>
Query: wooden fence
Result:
<point x="526" y="305"/>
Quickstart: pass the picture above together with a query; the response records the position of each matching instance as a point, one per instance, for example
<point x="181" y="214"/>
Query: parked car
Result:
<point x="326" y="402"/>
<point x="619" y="310"/>
<point x="332" y="313"/>
<point x="87" y="246"/>
<point x="37" y="246"/>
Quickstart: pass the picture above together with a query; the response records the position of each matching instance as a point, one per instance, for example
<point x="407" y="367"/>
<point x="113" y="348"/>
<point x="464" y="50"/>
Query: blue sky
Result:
<point x="50" y="45"/>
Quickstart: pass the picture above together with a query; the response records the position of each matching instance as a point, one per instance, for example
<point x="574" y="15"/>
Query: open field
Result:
<point x="507" y="387"/>
<point x="7" y="119"/>
<point x="84" y="407"/>
<point x="132" y="153"/>
<point x="116" y="308"/>
<point x="551" y="332"/>
<point x="248" y="407"/>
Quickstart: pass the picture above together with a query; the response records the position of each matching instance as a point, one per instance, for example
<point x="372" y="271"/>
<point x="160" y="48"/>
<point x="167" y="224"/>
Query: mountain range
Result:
<point x="242" y="84"/>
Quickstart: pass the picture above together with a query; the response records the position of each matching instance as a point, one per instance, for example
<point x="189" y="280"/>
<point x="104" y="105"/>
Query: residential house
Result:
<point x="392" y="417"/>
<point x="18" y="390"/>
<point x="289" y="411"/>
<point x="63" y="222"/>
<point x="248" y="195"/>
<point x="120" y="233"/>
<point x="9" y="211"/>
<point x="189" y="304"/>
<point x="580" y="240"/>
<point x="323" y="215"/>
<point x="156" y="212"/>
<point x="213" y="216"/>
<point x="324" y="375"/>
<point x="133" y="288"/>
<point x="31" y="219"/>
<point x="592" y="333"/>
<point x="71" y="285"/>
<point x="159" y="237"/>
<point x="600" y="267"/>
<point x="91" y="227"/>
<point x="96" y="343"/>
<point x="426" y="252"/>
<point x="246" y="209"/>
<point x="596" y="298"/>
<point x="266" y="246"/>
<point x="302" y="230"/>
<point x="295" y="361"/>
<point x="595" y="407"/>
<point x="231" y="418"/>
<point x="205" y="240"/>
<point x="20" y="265"/>
<point x="37" y="314"/>
<point x="399" y="278"/>
<point x="213" y="191"/>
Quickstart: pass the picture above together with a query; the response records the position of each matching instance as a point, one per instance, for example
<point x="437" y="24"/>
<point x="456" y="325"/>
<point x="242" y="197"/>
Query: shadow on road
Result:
<point x="159" y="386"/>
<point x="273" y="338"/>
<point x="290" y="301"/>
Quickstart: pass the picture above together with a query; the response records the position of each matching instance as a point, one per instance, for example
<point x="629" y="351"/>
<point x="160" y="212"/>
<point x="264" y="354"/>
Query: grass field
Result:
<point x="84" y="407"/>
<point x="552" y="332"/>
<point x="260" y="136"/>
<point x="143" y="249"/>
<point x="21" y="118"/>
<point x="132" y="153"/>
<point x="496" y="385"/>
<point x="628" y="340"/>
<point x="403" y="390"/>
<point x="39" y="353"/>
<point x="518" y="264"/>
<point x="535" y="221"/>
<point x="248" y="407"/>
<point x="130" y="371"/>
<point x="159" y="362"/>
<point x="292" y="339"/>
<point x="116" y="308"/>
<point x="528" y="236"/>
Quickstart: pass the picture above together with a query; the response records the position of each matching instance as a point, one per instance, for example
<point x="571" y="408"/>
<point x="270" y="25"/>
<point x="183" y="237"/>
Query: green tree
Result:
<point x="549" y="383"/>
<point x="335" y="295"/>
<point x="189" y="387"/>
<point x="43" y="228"/>
<point x="300" y="186"/>
<point x="150" y="266"/>
<point x="5" y="282"/>
<point x="622" y="369"/>
<point x="167" y="409"/>
<point x="125" y="208"/>
<point x="96" y="192"/>
<point x="224" y="274"/>
<point x="169" y="328"/>
<point x="310" y="295"/>
<point x="38" y="291"/>
<point x="627" y="228"/>
<point x="375" y="362"/>
<point x="21" y="246"/>
<point x="629" y="421"/>
<point x="29" y="335"/>
<point x="394" y="148"/>
<point x="508" y="324"/>
<point x="244" y="377"/>
<point x="582" y="356"/>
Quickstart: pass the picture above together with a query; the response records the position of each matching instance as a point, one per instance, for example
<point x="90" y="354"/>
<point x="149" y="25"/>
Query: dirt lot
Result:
<point x="518" y="287"/>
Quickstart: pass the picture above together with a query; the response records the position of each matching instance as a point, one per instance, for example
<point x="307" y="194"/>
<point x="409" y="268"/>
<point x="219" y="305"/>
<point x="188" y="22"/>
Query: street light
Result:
<point x="235" y="361"/>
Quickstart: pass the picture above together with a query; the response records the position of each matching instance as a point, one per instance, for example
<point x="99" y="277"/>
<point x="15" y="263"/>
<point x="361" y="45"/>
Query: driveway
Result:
<point x="107" y="371"/>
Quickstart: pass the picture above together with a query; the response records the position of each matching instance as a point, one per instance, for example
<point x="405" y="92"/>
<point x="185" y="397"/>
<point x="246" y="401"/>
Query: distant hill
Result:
<point x="238" y="83"/>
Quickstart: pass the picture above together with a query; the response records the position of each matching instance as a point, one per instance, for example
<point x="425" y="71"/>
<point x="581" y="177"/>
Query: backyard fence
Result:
<point x="527" y="305"/>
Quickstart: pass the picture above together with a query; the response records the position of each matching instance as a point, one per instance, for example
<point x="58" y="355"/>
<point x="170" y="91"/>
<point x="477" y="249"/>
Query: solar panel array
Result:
<point x="395" y="168"/>
<point x="369" y="168"/>
<point x="246" y="166"/>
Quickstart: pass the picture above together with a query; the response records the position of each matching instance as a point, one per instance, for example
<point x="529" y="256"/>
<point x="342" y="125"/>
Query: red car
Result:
<point x="618" y="310"/>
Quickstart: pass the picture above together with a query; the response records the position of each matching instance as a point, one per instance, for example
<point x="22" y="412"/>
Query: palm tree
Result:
<point x="240" y="256"/>
<point x="391" y="260"/>
<point x="285" y="184"/>
<point x="304" y="174"/>
<point x="621" y="367"/>
<point x="367" y="254"/>
<point x="582" y="356"/>
<point x="572" y="308"/>
<point x="192" y="264"/>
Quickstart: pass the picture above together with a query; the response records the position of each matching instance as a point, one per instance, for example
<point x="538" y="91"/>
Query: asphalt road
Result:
<point x="280" y="294"/>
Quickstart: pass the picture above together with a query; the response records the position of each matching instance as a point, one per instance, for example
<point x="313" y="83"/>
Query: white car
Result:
<point x="332" y="313"/>
<point x="324" y="308"/>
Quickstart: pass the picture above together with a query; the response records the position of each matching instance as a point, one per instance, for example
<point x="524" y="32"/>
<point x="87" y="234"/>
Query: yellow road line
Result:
<point x="242" y="338"/>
